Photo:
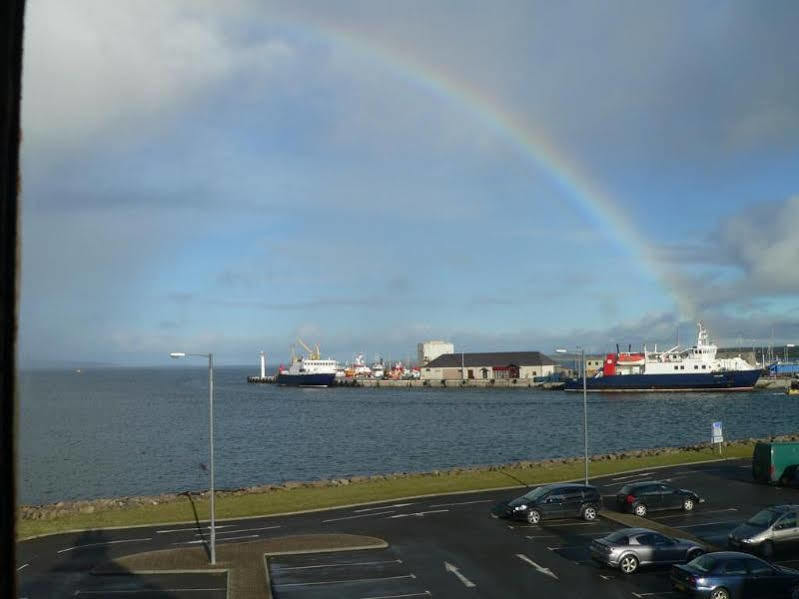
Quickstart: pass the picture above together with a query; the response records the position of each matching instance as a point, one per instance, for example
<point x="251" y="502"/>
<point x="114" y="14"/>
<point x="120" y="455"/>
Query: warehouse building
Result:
<point x="489" y="365"/>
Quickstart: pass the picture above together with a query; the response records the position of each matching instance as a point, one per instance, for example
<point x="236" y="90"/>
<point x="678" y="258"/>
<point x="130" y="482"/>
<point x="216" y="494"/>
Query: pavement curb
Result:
<point x="375" y="502"/>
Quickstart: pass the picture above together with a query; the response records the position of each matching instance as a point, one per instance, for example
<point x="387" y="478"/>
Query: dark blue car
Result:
<point x="733" y="575"/>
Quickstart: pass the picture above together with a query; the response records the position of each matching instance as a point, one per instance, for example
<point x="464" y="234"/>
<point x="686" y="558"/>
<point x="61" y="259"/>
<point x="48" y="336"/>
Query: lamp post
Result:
<point x="585" y="407"/>
<point x="210" y="357"/>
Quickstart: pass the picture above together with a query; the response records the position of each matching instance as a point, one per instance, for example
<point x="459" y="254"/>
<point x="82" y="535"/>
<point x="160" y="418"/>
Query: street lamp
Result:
<point x="585" y="407"/>
<point x="210" y="357"/>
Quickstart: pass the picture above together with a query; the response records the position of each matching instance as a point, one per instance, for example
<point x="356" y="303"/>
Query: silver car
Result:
<point x="768" y="528"/>
<point x="628" y="548"/>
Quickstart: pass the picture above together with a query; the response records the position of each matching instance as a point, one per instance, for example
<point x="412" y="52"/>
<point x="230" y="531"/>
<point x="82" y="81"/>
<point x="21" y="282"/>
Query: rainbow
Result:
<point x="587" y="194"/>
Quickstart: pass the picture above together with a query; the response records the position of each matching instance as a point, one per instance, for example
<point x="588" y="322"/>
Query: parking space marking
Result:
<point x="461" y="503"/>
<point x="631" y="476"/>
<point x="359" y="516"/>
<point x="129" y="591"/>
<point x="422" y="594"/>
<point x="707" y="524"/>
<point x="161" y="532"/>
<point x="388" y="561"/>
<point x="684" y="515"/>
<point x="308" y="584"/>
<point x="381" y="507"/>
<point x="103" y="543"/>
<point x="227" y="532"/>
<point x="198" y="541"/>
<point x="23" y="566"/>
<point x="661" y="594"/>
<point x="419" y="514"/>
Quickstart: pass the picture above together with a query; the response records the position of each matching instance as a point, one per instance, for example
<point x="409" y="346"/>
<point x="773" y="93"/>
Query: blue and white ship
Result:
<point x="311" y="371"/>
<point x="693" y="369"/>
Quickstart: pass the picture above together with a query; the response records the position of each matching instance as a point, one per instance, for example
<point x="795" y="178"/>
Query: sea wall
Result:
<point x="66" y="508"/>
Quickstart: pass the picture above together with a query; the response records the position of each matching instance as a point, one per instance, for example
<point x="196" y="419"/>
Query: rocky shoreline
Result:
<point x="68" y="508"/>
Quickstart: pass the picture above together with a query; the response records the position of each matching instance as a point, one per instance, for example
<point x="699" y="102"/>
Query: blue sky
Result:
<point x="228" y="179"/>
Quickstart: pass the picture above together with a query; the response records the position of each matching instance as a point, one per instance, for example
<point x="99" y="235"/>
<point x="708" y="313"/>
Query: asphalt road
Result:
<point x="446" y="546"/>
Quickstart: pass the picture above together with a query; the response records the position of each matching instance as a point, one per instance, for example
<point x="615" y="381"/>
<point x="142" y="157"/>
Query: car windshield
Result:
<point x="764" y="518"/>
<point x="704" y="563"/>
<point x="536" y="493"/>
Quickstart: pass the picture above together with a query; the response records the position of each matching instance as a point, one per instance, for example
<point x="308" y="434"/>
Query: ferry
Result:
<point x="693" y="369"/>
<point x="311" y="371"/>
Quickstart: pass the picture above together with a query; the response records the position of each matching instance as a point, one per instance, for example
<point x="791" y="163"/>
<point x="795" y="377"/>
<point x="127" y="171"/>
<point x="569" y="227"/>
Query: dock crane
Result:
<point x="313" y="354"/>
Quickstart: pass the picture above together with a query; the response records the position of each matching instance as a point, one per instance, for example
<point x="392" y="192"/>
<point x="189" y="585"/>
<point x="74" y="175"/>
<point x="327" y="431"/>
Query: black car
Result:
<point x="733" y="575"/>
<point x="640" y="498"/>
<point x="552" y="501"/>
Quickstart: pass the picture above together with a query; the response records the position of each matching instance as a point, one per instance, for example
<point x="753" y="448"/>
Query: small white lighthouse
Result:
<point x="263" y="366"/>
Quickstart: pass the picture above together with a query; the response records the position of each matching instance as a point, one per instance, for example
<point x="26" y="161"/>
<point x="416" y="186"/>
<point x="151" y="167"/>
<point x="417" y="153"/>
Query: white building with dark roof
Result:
<point x="489" y="365"/>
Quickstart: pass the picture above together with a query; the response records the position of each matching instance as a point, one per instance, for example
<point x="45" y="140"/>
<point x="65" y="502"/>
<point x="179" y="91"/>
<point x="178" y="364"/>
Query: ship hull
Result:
<point x="739" y="380"/>
<point x="305" y="380"/>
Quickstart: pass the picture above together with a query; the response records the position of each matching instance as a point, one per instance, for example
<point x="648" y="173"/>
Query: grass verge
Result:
<point x="308" y="498"/>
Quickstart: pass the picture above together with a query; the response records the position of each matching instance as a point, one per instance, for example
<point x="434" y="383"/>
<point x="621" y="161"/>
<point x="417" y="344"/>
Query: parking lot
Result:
<point x="443" y="546"/>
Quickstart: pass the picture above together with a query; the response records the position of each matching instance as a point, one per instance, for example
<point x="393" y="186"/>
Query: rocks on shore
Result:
<point x="69" y="508"/>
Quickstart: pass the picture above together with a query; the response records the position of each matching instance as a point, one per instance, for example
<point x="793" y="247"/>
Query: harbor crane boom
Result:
<point x="313" y="354"/>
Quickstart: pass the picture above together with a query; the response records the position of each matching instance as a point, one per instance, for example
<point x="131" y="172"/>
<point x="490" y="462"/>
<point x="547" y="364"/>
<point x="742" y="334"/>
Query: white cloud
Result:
<point x="89" y="65"/>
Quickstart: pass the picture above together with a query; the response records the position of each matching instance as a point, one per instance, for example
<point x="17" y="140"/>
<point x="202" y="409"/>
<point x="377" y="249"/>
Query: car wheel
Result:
<point x="589" y="513"/>
<point x="533" y="516"/>
<point x="693" y="554"/>
<point x="688" y="504"/>
<point x="640" y="510"/>
<point x="767" y="549"/>
<point x="720" y="593"/>
<point x="628" y="564"/>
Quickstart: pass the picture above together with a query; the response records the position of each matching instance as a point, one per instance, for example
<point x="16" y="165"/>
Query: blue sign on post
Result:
<point x="716" y="435"/>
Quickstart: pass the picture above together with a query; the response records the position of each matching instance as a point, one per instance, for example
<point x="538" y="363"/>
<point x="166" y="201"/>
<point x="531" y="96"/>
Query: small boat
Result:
<point x="793" y="389"/>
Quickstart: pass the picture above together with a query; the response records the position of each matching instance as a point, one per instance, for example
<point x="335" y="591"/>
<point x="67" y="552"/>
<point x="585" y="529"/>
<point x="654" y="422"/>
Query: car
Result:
<point x="629" y="548"/>
<point x="643" y="497"/>
<point x="552" y="501"/>
<point x="735" y="575"/>
<point x="763" y="532"/>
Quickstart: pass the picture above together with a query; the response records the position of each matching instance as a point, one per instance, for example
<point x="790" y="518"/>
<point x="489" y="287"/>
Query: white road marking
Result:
<point x="548" y="525"/>
<point x="424" y="594"/>
<point x="655" y="594"/>
<point x="419" y="514"/>
<point x="454" y="570"/>
<point x="358" y="516"/>
<point x="388" y="561"/>
<point x="161" y="532"/>
<point x="106" y="592"/>
<point x="606" y="577"/>
<point x="631" y="476"/>
<point x="461" y="503"/>
<point x="511" y="527"/>
<point x="541" y="569"/>
<point x="104" y="543"/>
<point x="308" y="584"/>
<point x="729" y="509"/>
<point x="381" y="507"/>
<point x="558" y="547"/>
<point x="707" y="524"/>
<point x="22" y="566"/>
<point x="198" y="541"/>
<point x="227" y="532"/>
